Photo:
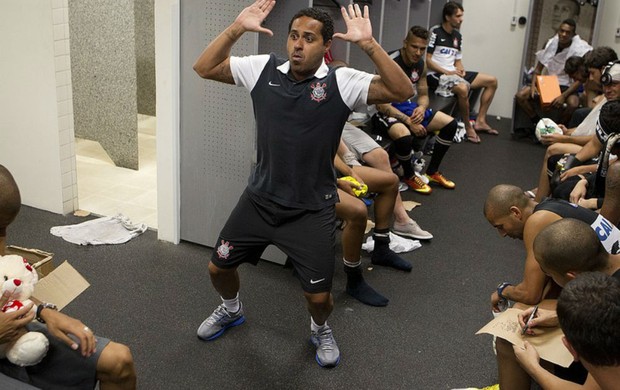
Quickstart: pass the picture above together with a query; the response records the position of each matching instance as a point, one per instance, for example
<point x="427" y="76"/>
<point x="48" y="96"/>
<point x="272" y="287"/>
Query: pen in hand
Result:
<point x="527" y="324"/>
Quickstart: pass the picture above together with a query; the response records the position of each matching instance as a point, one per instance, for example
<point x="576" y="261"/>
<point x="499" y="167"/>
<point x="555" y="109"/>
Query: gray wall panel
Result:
<point x="395" y="24"/>
<point x="103" y="68"/>
<point x="145" y="55"/>
<point x="420" y="13"/>
<point x="357" y="58"/>
<point x="217" y="127"/>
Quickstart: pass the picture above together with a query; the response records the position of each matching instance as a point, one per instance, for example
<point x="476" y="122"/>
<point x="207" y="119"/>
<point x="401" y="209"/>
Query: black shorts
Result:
<point x="61" y="368"/>
<point x="433" y="79"/>
<point x="307" y="237"/>
<point x="382" y="124"/>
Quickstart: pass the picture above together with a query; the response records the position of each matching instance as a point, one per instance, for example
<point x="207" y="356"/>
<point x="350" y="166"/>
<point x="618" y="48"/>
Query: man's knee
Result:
<point x="461" y="90"/>
<point x="503" y="349"/>
<point x="572" y="102"/>
<point x="377" y="158"/>
<point x="321" y="300"/>
<point x="357" y="213"/>
<point x="553" y="149"/>
<point x="116" y="364"/>
<point x="215" y="271"/>
<point x="398" y="130"/>
<point x="523" y="95"/>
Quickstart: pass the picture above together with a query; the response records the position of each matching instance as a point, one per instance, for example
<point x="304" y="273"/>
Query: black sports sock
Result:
<point x="402" y="149"/>
<point x="442" y="144"/>
<point x="383" y="255"/>
<point x="360" y="290"/>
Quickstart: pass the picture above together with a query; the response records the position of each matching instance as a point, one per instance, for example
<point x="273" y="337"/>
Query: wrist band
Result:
<point x="40" y="309"/>
<point x="501" y="288"/>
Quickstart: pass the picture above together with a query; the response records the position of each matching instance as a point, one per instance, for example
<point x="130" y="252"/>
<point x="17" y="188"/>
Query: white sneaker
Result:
<point x="411" y="229"/>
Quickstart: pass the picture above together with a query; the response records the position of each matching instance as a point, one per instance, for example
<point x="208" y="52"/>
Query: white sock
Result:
<point x="232" y="305"/>
<point x="314" y="327"/>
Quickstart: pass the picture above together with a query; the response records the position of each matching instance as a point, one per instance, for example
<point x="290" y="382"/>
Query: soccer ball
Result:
<point x="546" y="126"/>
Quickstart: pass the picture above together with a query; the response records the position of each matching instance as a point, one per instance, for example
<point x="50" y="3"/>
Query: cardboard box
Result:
<point x="548" y="88"/>
<point x="40" y="260"/>
<point x="59" y="285"/>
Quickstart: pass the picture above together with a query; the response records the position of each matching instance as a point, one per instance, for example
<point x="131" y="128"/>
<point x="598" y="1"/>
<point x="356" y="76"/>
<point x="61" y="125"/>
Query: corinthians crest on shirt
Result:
<point x="318" y="91"/>
<point x="414" y="76"/>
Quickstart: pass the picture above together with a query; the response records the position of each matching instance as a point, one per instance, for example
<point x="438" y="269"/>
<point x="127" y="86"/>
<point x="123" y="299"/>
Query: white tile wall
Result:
<point x="62" y="61"/>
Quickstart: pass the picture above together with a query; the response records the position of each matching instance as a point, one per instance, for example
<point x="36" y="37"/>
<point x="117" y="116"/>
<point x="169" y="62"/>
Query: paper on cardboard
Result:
<point x="548" y="344"/>
<point x="548" y="88"/>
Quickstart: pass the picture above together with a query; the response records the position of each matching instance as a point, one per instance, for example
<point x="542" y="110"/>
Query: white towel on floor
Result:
<point x="398" y="244"/>
<point x="105" y="230"/>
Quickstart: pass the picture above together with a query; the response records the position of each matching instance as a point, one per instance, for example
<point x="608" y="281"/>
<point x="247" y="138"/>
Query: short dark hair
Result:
<point x="608" y="117"/>
<point x="502" y="197"/>
<point x="575" y="64"/>
<point x="570" y="245"/>
<point x="599" y="57"/>
<point x="571" y="23"/>
<point x="450" y="8"/>
<point x="327" y="31"/>
<point x="10" y="199"/>
<point x="589" y="313"/>
<point x="418" y="31"/>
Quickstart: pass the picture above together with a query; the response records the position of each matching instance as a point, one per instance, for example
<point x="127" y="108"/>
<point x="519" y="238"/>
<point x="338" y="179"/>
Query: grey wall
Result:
<point x="145" y="55"/>
<point x="217" y="126"/>
<point x="103" y="66"/>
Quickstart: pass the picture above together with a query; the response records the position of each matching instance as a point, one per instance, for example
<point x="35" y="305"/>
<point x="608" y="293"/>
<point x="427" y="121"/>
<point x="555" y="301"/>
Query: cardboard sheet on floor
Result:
<point x="548" y="344"/>
<point x="61" y="286"/>
<point x="410" y="205"/>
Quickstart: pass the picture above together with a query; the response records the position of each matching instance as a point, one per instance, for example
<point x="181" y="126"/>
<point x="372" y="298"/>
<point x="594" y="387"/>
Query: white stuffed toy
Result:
<point x="19" y="277"/>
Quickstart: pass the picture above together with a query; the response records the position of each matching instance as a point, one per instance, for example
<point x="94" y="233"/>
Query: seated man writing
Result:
<point x="515" y="215"/>
<point x="568" y="250"/>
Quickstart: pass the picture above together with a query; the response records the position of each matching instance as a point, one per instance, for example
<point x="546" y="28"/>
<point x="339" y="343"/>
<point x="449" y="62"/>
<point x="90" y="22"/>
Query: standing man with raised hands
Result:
<point x="300" y="107"/>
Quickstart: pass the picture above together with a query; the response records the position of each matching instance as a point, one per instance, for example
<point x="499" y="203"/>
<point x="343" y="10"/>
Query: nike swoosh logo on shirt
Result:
<point x="312" y="281"/>
<point x="271" y="83"/>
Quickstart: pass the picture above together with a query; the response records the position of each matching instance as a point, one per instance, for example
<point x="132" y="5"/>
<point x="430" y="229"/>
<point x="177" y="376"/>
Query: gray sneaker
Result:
<point x="411" y="229"/>
<point x="220" y="320"/>
<point x="327" y="352"/>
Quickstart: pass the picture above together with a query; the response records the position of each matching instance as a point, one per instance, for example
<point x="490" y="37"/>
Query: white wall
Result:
<point x="36" y="111"/>
<point x="167" y="86"/>
<point x="491" y="45"/>
<point x="609" y="21"/>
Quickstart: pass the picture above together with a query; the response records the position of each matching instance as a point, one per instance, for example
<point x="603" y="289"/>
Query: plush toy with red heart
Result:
<point x="18" y="277"/>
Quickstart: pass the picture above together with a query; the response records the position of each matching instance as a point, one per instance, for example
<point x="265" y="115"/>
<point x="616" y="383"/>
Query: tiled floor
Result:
<point x="105" y="189"/>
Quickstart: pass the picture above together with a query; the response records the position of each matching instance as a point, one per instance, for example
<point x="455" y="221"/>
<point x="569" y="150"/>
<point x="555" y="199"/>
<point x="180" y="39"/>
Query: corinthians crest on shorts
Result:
<point x="223" y="251"/>
<point x="318" y="91"/>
